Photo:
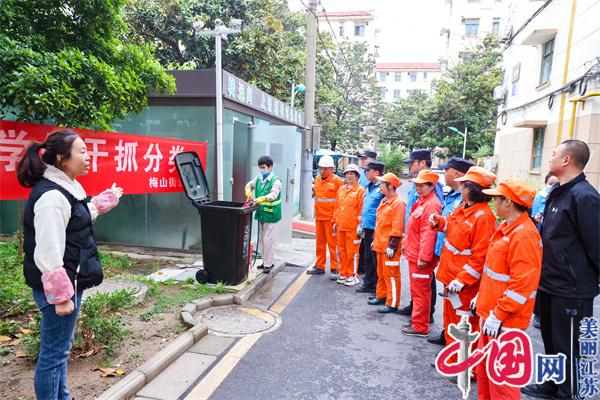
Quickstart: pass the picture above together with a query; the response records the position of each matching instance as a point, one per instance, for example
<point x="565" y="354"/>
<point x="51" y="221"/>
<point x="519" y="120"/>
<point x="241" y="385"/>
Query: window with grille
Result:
<point x="547" y="53"/>
<point x="538" y="147"/>
<point x="471" y="26"/>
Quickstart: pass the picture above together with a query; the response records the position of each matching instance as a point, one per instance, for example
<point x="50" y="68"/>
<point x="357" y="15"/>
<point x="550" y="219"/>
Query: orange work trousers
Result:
<point x="380" y="288"/>
<point x="420" y="291"/>
<point x="348" y="244"/>
<point x="325" y="240"/>
<point x="454" y="315"/>
<point x="390" y="275"/>
<point x="486" y="389"/>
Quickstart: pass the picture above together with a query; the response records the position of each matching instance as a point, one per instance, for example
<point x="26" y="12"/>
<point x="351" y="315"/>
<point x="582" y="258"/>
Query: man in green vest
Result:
<point x="266" y="190"/>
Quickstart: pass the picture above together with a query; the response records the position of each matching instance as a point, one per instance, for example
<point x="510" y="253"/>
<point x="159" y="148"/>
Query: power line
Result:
<point x="535" y="14"/>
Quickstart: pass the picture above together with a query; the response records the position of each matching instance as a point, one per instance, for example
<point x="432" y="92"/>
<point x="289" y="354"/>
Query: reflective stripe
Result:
<point x="496" y="276"/>
<point x="515" y="296"/>
<point x="319" y="200"/>
<point x="356" y="241"/>
<point x="355" y="264"/>
<point x="424" y="276"/>
<point x="392" y="263"/>
<point x="506" y="238"/>
<point x="271" y="203"/>
<point x="464" y="313"/>
<point x="526" y="198"/>
<point x="518" y="228"/>
<point x="479" y="213"/>
<point x="533" y="294"/>
<point x="454" y="250"/>
<point x="471" y="271"/>
<point x="393" y="291"/>
<point x="445" y="226"/>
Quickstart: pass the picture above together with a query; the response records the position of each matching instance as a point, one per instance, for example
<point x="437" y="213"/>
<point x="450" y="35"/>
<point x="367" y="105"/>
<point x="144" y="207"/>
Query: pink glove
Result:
<point x="105" y="201"/>
<point x="57" y="286"/>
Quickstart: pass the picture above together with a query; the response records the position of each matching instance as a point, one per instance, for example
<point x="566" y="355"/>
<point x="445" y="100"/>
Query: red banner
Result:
<point x="139" y="164"/>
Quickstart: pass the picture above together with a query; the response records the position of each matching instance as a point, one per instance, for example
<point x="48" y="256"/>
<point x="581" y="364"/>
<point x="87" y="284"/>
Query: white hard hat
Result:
<point x="352" y="168"/>
<point x="326" y="162"/>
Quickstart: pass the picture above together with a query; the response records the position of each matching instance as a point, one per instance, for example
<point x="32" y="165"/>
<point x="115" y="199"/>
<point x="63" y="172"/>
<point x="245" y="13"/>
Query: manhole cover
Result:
<point x="238" y="321"/>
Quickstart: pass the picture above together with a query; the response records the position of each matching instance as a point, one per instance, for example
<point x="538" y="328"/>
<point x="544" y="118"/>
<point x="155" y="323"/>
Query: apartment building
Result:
<point x="552" y="75"/>
<point x="467" y="23"/>
<point x="400" y="80"/>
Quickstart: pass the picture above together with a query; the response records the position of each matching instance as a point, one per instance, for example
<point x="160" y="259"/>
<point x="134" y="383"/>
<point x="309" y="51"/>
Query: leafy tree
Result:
<point x="462" y="98"/>
<point x="66" y="60"/>
<point x="269" y="52"/>
<point x="347" y="96"/>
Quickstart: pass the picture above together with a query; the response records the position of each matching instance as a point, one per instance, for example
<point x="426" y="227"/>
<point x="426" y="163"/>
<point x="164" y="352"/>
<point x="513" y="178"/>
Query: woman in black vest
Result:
<point x="61" y="259"/>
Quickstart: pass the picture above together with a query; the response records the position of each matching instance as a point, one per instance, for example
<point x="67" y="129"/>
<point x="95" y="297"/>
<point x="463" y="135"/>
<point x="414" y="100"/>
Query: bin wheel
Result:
<point x="202" y="276"/>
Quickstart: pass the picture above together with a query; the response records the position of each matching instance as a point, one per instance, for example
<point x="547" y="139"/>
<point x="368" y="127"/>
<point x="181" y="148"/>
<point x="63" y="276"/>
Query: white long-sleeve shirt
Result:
<point x="52" y="212"/>
<point x="275" y="190"/>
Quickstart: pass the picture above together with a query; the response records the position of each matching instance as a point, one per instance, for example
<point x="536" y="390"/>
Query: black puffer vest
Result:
<point x="81" y="255"/>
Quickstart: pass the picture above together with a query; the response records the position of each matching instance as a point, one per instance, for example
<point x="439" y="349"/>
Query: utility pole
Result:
<point x="306" y="207"/>
<point x="220" y="32"/>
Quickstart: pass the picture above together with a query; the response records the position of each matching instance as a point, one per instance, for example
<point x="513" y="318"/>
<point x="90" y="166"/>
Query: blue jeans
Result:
<point x="50" y="379"/>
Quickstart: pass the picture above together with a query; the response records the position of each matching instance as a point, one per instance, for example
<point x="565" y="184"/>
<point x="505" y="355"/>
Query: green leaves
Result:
<point x="462" y="98"/>
<point x="74" y="68"/>
<point x="268" y="53"/>
<point x="347" y="95"/>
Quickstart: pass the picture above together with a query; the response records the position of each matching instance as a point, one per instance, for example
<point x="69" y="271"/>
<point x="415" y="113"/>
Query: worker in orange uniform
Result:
<point x="389" y="226"/>
<point x="419" y="251"/>
<point x="346" y="218"/>
<point x="326" y="186"/>
<point x="510" y="276"/>
<point x="468" y="231"/>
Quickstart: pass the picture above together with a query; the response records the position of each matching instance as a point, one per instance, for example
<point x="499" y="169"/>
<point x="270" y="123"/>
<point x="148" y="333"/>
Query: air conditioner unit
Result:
<point x="499" y="93"/>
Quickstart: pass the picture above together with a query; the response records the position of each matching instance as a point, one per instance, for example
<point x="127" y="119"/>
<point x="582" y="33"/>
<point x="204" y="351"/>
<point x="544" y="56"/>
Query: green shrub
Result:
<point x="100" y="325"/>
<point x="15" y="295"/>
<point x="31" y="340"/>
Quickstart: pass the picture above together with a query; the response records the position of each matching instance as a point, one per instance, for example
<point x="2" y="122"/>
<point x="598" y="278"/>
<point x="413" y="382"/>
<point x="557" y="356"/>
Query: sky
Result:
<point x="409" y="29"/>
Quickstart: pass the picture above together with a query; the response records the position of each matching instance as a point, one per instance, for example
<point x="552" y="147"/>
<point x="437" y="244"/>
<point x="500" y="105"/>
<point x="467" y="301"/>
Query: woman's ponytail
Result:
<point x="38" y="156"/>
<point x="30" y="169"/>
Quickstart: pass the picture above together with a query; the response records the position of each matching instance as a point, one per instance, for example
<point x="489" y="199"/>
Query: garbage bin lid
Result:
<point x="192" y="177"/>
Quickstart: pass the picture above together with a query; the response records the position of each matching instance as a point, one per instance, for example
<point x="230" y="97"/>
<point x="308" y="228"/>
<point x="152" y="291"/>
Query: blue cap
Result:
<point x="458" y="163"/>
<point x="370" y="154"/>
<point x="418" y="154"/>
<point x="377" y="166"/>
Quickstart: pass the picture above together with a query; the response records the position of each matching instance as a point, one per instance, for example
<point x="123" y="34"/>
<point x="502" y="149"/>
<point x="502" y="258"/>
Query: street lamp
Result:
<point x="221" y="31"/>
<point x="464" y="135"/>
<point x="296" y="89"/>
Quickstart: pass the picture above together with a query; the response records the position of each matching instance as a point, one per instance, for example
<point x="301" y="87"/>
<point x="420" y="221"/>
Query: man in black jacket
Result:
<point x="570" y="263"/>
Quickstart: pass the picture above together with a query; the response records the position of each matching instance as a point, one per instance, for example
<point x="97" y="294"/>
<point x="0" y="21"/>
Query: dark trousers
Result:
<point x="370" y="259"/>
<point x="361" y="257"/>
<point x="558" y="316"/>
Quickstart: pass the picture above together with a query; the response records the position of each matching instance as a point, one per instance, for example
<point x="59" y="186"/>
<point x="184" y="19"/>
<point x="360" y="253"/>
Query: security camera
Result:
<point x="236" y="23"/>
<point x="197" y="25"/>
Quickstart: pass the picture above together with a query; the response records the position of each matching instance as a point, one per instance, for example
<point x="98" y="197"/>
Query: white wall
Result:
<point x="514" y="145"/>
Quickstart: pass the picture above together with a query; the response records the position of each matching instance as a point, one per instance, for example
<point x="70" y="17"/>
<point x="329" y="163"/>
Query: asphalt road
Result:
<point x="332" y="345"/>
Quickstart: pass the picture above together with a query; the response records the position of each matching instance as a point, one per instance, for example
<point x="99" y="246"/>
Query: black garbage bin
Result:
<point x="226" y="226"/>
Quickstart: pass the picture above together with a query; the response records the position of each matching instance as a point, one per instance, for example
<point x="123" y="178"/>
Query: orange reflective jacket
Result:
<point x="419" y="241"/>
<point x="468" y="232"/>
<point x="325" y="195"/>
<point x="348" y="207"/>
<point x="389" y="222"/>
<point x="511" y="273"/>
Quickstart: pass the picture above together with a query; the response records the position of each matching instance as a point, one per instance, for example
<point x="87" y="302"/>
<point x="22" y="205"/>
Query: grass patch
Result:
<point x="15" y="295"/>
<point x="113" y="265"/>
<point x="164" y="302"/>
